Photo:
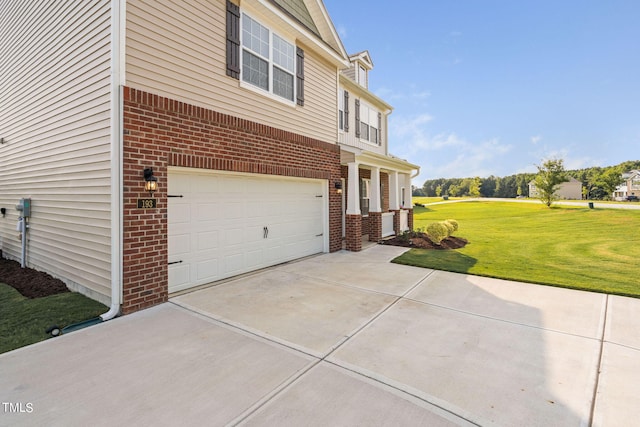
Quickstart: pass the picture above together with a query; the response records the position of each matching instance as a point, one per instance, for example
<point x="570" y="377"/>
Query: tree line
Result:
<point x="598" y="183"/>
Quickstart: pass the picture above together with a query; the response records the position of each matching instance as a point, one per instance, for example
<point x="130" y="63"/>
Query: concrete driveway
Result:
<point x="342" y="339"/>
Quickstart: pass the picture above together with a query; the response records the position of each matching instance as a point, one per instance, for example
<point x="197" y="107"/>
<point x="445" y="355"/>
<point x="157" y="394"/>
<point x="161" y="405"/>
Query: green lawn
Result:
<point x="573" y="247"/>
<point x="23" y="321"/>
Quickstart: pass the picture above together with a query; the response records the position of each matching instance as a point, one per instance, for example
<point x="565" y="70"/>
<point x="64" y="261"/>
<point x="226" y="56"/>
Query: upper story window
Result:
<point x="369" y="124"/>
<point x="362" y="76"/>
<point x="268" y="61"/>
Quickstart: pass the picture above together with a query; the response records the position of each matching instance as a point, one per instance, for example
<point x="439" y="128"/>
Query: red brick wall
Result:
<point x="375" y="226"/>
<point x="353" y="238"/>
<point x="161" y="132"/>
<point x="384" y="180"/>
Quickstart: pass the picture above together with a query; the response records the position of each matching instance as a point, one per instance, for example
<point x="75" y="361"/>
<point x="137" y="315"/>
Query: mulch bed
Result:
<point x="422" y="241"/>
<point x="30" y="283"/>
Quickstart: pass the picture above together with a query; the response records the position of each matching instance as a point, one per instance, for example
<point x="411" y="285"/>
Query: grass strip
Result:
<point x="23" y="321"/>
<point x="589" y="249"/>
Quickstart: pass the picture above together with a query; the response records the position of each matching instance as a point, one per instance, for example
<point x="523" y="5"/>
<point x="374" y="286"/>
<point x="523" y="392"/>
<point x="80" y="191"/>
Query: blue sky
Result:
<point x="490" y="87"/>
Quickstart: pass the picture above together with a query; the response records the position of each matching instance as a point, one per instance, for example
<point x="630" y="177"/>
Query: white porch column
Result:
<point x="394" y="190"/>
<point x="353" y="190"/>
<point x="374" y="197"/>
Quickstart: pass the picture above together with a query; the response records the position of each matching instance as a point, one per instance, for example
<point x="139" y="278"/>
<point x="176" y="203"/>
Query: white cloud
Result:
<point x="444" y="154"/>
<point x="393" y="95"/>
<point x="342" y="32"/>
<point x="536" y="139"/>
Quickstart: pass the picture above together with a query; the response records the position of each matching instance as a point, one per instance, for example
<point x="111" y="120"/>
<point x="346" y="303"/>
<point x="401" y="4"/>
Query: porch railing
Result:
<point x="404" y="220"/>
<point x="387" y="224"/>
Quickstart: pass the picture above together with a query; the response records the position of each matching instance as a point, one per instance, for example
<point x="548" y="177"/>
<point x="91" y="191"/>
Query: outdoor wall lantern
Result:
<point x="338" y="186"/>
<point x="150" y="181"/>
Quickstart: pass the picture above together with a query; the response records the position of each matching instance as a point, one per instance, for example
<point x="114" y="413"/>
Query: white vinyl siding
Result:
<point x="55" y="121"/>
<point x="178" y="50"/>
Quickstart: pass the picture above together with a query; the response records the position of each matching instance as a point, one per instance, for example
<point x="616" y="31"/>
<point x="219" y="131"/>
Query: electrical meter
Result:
<point x="24" y="206"/>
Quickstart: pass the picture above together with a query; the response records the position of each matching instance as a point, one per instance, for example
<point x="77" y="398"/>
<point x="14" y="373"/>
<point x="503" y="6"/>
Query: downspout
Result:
<point x="116" y="107"/>
<point x="417" y="173"/>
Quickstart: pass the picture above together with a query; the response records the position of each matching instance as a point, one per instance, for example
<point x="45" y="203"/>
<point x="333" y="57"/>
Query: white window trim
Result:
<point x="364" y="105"/>
<point x="367" y="196"/>
<point x="268" y="93"/>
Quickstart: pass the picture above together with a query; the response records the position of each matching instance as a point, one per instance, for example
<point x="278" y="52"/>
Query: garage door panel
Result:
<point x="207" y="270"/>
<point x="179" y="276"/>
<point x="208" y="240"/>
<point x="218" y="227"/>
<point x="180" y="212"/>
<point x="208" y="211"/>
<point x="253" y="235"/>
<point x="254" y="259"/>
<point x="181" y="244"/>
<point x="232" y="209"/>
<point x="233" y="264"/>
<point x="205" y="184"/>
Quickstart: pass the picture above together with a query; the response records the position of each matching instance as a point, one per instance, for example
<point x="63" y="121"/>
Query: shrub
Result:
<point x="450" y="228"/>
<point x="437" y="231"/>
<point x="454" y="223"/>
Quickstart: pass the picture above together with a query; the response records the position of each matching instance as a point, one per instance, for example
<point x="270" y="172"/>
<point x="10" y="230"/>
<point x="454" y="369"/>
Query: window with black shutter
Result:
<point x="300" y="76"/>
<point x="264" y="59"/>
<point x="346" y="111"/>
<point x="357" y="118"/>
<point x="233" y="40"/>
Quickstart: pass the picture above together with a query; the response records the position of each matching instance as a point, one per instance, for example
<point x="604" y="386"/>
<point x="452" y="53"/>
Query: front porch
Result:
<point x="376" y="198"/>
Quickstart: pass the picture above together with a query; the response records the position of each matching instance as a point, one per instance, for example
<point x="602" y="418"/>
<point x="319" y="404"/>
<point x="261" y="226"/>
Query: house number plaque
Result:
<point x="146" y="203"/>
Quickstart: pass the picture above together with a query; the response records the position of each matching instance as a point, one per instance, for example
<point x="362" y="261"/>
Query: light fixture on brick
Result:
<point x="150" y="181"/>
<point x="338" y="187"/>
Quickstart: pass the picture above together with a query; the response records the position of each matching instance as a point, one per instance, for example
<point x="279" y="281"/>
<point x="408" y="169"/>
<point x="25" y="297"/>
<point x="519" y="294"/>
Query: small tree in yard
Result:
<point x="550" y="175"/>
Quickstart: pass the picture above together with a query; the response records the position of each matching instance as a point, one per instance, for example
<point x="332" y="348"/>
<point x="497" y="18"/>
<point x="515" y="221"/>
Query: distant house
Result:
<point x="630" y="186"/>
<point x="571" y="190"/>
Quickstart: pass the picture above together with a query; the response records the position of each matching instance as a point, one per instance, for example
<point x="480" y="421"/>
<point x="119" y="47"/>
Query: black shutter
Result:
<point x="300" y="76"/>
<point x="233" y="40"/>
<point x="357" y="118"/>
<point x="379" y="128"/>
<point x="346" y="111"/>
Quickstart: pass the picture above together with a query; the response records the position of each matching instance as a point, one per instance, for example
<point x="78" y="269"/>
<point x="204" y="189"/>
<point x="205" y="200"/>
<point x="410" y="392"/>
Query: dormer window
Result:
<point x="362" y="76"/>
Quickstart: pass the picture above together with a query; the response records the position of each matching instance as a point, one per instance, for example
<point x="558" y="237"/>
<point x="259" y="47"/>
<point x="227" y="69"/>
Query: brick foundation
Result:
<point x="375" y="226"/>
<point x="353" y="238"/>
<point x="160" y="132"/>
<point x="410" y="219"/>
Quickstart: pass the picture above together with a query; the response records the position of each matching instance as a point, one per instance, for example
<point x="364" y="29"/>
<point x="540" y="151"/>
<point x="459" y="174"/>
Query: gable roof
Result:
<point x="312" y="15"/>
<point x="298" y="10"/>
<point x="363" y="57"/>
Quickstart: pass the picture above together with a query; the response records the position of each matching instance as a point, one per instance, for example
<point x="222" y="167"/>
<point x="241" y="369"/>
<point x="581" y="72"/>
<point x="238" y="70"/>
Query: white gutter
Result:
<point x="117" y="75"/>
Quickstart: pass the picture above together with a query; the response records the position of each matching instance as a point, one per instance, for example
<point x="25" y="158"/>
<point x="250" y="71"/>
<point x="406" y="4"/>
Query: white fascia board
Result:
<point x="368" y="158"/>
<point x="365" y="94"/>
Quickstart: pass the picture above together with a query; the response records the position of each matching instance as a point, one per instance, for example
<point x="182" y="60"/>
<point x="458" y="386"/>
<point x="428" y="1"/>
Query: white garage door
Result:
<point x="222" y="224"/>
